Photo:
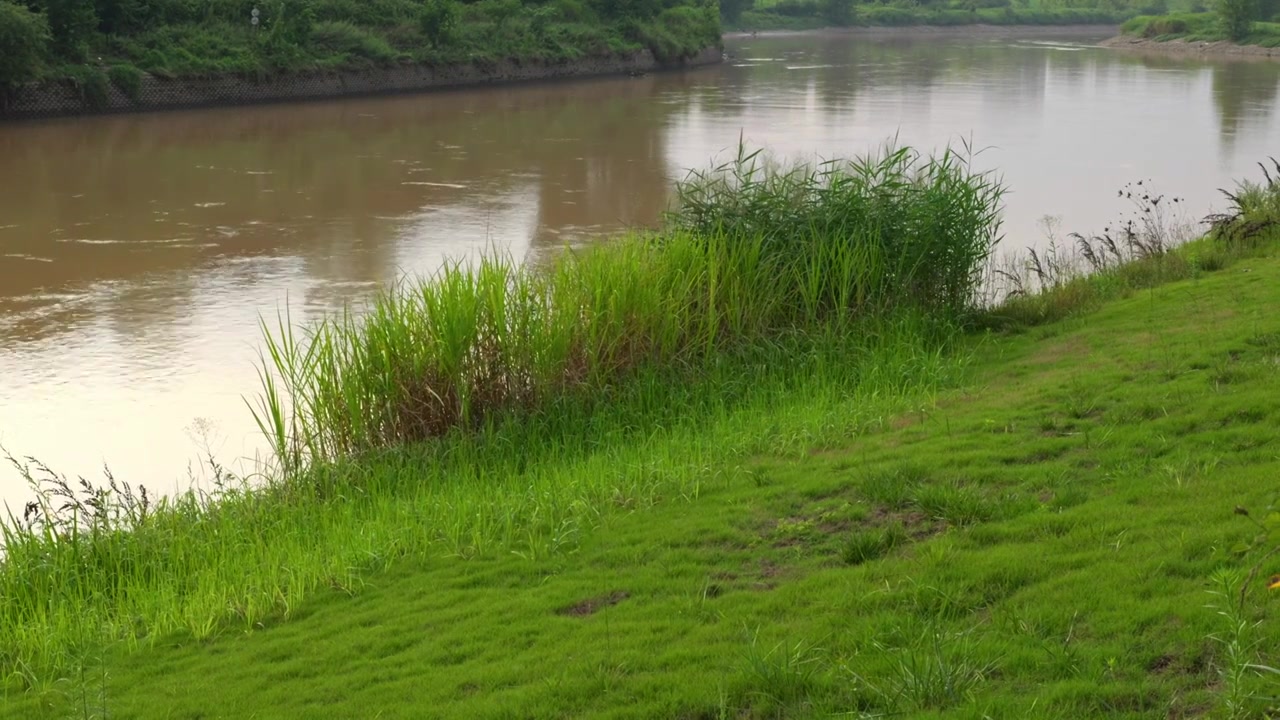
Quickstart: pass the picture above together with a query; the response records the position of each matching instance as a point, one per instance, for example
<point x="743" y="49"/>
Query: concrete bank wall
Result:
<point x="55" y="99"/>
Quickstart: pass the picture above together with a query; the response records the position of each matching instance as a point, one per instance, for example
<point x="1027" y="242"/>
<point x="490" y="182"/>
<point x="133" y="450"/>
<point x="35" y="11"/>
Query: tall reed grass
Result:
<point x="750" y="254"/>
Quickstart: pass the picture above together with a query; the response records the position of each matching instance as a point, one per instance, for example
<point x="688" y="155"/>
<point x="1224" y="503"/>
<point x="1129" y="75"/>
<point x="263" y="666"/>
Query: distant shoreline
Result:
<point x="1184" y="48"/>
<point x="62" y="99"/>
<point x="975" y="30"/>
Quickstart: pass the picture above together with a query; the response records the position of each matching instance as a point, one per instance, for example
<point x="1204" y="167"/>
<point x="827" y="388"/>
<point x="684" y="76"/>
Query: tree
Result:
<point x="24" y="40"/>
<point x="838" y="12"/>
<point x="438" y="18"/>
<point x="731" y="10"/>
<point x="72" y="24"/>
<point x="1237" y="17"/>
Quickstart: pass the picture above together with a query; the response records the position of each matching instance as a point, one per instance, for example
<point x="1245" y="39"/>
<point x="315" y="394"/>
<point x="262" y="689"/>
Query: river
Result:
<point x="139" y="253"/>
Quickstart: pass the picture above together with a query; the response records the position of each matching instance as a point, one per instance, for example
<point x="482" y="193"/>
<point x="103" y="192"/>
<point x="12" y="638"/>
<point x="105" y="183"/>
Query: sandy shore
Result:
<point x="1184" y="48"/>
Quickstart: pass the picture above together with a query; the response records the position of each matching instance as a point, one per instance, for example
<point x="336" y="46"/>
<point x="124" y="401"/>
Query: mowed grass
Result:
<point x="1061" y="535"/>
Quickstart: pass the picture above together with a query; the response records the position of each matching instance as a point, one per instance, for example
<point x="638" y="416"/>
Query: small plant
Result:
<point x="1237" y="642"/>
<point x="867" y="545"/>
<point x="894" y="490"/>
<point x="940" y="670"/>
<point x="954" y="503"/>
<point x="780" y="676"/>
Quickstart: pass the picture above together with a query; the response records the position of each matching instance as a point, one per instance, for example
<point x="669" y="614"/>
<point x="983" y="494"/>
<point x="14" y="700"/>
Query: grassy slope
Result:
<point x="1196" y="27"/>
<point x="1063" y="513"/>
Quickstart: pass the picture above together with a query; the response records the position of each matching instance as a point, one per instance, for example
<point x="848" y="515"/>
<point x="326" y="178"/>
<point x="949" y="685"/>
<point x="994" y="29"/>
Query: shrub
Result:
<point x="796" y="8"/>
<point x="885" y="15"/>
<point x="24" y="38"/>
<point x="118" y="17"/>
<point x="92" y="85"/>
<point x="128" y="79"/>
<point x="627" y="9"/>
<point x="540" y="18"/>
<point x="731" y="10"/>
<point x="500" y="12"/>
<point x="837" y="12"/>
<point x="345" y="38"/>
<point x="1237" y="17"/>
<point x="72" y="24"/>
<point x="288" y="21"/>
<point x="574" y="11"/>
<point x="367" y="13"/>
<point x="438" y="19"/>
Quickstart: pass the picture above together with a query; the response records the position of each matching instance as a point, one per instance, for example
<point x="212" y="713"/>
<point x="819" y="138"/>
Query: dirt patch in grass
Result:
<point x="593" y="605"/>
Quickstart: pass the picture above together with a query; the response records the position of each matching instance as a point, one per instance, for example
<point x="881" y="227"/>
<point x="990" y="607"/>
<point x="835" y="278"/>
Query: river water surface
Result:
<point x="138" y="253"/>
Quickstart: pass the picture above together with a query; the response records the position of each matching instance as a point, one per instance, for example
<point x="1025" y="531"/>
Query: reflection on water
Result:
<point x="138" y="254"/>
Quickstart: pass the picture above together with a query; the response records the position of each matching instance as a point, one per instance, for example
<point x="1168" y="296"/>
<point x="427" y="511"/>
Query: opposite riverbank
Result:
<point x="734" y="469"/>
<point x="89" y="56"/>
<point x="153" y="93"/>
<point x="801" y="15"/>
<point x="947" y="31"/>
<point x="1197" y="34"/>
<point x="1182" y="47"/>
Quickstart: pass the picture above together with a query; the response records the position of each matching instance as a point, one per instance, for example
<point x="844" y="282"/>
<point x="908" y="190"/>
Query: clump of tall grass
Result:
<point x="749" y="255"/>
<point x="1254" y="211"/>
<point x="900" y="228"/>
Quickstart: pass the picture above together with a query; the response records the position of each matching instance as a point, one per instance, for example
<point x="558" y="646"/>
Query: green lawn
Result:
<point x="1044" y="539"/>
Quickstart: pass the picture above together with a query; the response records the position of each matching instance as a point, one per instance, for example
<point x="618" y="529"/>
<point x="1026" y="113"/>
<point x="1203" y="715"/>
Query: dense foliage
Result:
<point x="1237" y="17"/>
<point x="24" y="38"/>
<point x="257" y="37"/>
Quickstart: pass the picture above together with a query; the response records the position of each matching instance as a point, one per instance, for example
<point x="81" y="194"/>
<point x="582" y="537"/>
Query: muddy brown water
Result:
<point x="138" y="253"/>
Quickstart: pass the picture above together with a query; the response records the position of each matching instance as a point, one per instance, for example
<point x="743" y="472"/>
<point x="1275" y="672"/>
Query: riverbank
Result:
<point x="106" y="55"/>
<point x="1181" y="47"/>
<point x="152" y="93"/>
<point x="879" y="16"/>
<point x="960" y="31"/>
<point x="1065" y="518"/>
<point x="888" y="516"/>
<point x="1196" y="34"/>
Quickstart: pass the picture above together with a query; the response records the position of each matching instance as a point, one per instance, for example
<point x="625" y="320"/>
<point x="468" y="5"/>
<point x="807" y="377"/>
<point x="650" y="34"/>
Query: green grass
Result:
<point x="1038" y="521"/>
<point x="1197" y="27"/>
<point x="790" y="15"/>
